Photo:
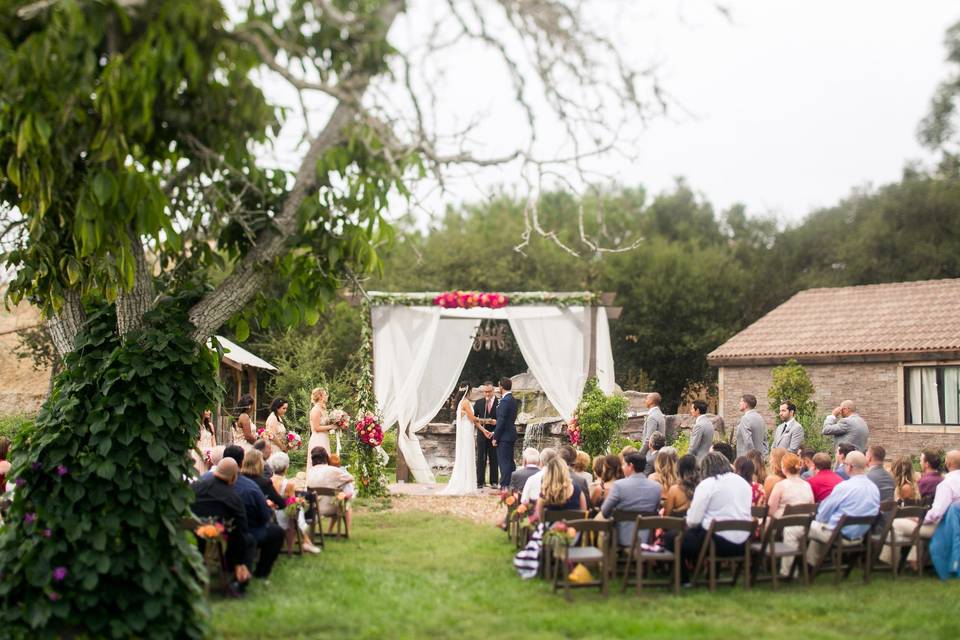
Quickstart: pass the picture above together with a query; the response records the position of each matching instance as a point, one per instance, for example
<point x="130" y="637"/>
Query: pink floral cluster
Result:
<point x="369" y="430"/>
<point x="294" y="440"/>
<point x="573" y="432"/>
<point x="470" y="299"/>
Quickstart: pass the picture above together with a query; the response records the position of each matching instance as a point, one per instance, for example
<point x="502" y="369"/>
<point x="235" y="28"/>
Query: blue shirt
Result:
<point x="258" y="513"/>
<point x="841" y="471"/>
<point x="857" y="496"/>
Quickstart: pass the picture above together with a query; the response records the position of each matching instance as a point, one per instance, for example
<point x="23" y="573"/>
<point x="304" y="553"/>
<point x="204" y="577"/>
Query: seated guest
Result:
<point x="269" y="537"/>
<point x="280" y="463"/>
<point x="825" y="479"/>
<point x="791" y="490"/>
<point x="263" y="446"/>
<point x="743" y="467"/>
<point x="232" y="451"/>
<point x="214" y="497"/>
<point x="596" y="487"/>
<point x="774" y="470"/>
<point x="726" y="449"/>
<point x="680" y="494"/>
<point x="947" y="495"/>
<point x="531" y="465"/>
<point x="253" y="468"/>
<point x="625" y="451"/>
<point x="324" y="475"/>
<point x="904" y="480"/>
<point x="612" y="471"/>
<point x="650" y="450"/>
<point x="348" y="491"/>
<point x="558" y="492"/>
<point x="930" y="465"/>
<point x="582" y="465"/>
<point x="857" y="496"/>
<point x="569" y="455"/>
<point x="806" y="460"/>
<point x="665" y="469"/>
<point x="877" y="474"/>
<point x="635" y="492"/>
<point x="531" y="489"/>
<point x="842" y="450"/>
<point x="721" y="495"/>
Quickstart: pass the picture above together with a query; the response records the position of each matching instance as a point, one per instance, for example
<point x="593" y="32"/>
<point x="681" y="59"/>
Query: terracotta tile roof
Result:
<point x="870" y="320"/>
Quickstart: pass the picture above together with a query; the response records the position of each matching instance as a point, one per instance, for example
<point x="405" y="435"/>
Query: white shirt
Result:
<point x="948" y="493"/>
<point x="723" y="497"/>
<point x="531" y="488"/>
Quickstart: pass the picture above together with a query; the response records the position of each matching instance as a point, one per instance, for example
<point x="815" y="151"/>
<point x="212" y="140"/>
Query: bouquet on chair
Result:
<point x="293" y="506"/>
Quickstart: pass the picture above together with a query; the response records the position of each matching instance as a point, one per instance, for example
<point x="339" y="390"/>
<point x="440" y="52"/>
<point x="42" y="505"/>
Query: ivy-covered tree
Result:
<point x="140" y="214"/>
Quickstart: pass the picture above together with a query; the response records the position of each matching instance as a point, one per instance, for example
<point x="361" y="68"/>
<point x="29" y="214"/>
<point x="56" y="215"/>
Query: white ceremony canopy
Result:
<point x="419" y="353"/>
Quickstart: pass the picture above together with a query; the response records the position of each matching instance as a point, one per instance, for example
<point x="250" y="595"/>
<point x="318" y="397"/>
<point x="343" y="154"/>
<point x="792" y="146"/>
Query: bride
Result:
<point x="463" y="480"/>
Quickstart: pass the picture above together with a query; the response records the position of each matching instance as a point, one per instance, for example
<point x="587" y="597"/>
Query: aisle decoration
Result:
<point x="366" y="457"/>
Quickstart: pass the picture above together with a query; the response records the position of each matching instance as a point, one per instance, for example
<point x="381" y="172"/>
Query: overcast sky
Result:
<point x="787" y="106"/>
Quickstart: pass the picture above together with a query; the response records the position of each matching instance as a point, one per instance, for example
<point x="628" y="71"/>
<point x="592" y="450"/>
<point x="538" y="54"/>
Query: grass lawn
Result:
<point x="418" y="575"/>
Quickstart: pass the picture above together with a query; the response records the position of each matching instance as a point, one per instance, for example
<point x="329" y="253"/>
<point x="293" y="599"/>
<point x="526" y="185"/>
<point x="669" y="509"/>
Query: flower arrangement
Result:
<point x="470" y="299"/>
<point x="294" y="440"/>
<point x="560" y="534"/>
<point x="573" y="431"/>
<point x="211" y="531"/>
<point x="369" y="431"/>
<point x="293" y="506"/>
<point x="208" y="457"/>
<point x="339" y="418"/>
<point x="261" y="431"/>
<point x="509" y="498"/>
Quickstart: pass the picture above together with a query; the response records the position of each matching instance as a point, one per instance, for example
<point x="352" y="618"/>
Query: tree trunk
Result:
<point x="65" y="326"/>
<point x="133" y="305"/>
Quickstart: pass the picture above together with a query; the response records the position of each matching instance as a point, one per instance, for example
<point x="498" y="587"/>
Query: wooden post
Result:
<point x="403" y="471"/>
<point x="592" y="347"/>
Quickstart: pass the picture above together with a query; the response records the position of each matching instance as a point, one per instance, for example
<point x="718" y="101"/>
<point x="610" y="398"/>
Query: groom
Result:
<point x="505" y="433"/>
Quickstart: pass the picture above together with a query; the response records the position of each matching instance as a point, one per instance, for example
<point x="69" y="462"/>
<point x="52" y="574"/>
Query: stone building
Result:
<point x="894" y="349"/>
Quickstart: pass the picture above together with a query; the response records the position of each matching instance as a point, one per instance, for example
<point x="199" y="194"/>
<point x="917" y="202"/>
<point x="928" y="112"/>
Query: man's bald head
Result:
<point x="227" y="470"/>
<point x="849" y="405"/>
<point x="856" y="461"/>
<point x="953" y="459"/>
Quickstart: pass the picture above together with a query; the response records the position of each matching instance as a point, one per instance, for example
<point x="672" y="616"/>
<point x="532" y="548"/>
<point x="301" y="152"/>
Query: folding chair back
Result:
<point x="340" y="519"/>
<point x="708" y="552"/>
<point x="563" y="514"/>
<point x="808" y="509"/>
<point x="586" y="551"/>
<point x="759" y="511"/>
<point x="773" y="548"/>
<point x="837" y="547"/>
<point x="641" y="558"/>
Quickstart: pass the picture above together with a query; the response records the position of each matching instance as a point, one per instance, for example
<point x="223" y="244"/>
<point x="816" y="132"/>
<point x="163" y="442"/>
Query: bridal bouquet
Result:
<point x="294" y="440"/>
<point x="470" y="299"/>
<point x="369" y="431"/>
<point x="573" y="431"/>
<point x="339" y="418"/>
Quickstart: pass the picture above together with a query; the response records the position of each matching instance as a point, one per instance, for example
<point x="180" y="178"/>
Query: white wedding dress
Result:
<point x="463" y="480"/>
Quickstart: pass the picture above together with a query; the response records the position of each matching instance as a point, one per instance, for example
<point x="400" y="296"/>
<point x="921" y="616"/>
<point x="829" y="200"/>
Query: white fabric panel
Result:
<point x="951" y="394"/>
<point x="605" y="377"/>
<point x="551" y="340"/>
<point x="916" y="392"/>
<point x="931" y="407"/>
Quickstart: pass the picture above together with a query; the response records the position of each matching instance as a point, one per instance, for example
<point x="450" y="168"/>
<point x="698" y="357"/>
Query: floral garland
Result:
<point x="367" y="434"/>
<point x="515" y="298"/>
<point x="369" y="431"/>
<point x="470" y="299"/>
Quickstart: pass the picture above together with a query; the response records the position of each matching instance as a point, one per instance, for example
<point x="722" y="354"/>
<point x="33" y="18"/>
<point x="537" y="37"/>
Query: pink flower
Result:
<point x="59" y="573"/>
<point x="62" y="470"/>
<point x="47" y="533"/>
<point x="29" y="517"/>
<point x="54" y="596"/>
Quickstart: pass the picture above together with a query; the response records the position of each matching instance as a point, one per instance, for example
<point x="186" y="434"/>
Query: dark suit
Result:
<point x="486" y="452"/>
<point x="217" y="499"/>
<point x="505" y="434"/>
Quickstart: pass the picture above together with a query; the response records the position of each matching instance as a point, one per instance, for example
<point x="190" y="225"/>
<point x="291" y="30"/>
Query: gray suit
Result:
<point x="788" y="435"/>
<point x="751" y="433"/>
<point x="655" y="422"/>
<point x="701" y="437"/>
<point x="884" y="481"/>
<point x="852" y="429"/>
<point x="635" y="493"/>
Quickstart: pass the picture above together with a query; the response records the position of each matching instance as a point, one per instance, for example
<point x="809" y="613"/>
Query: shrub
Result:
<point x="601" y="417"/>
<point x="792" y="384"/>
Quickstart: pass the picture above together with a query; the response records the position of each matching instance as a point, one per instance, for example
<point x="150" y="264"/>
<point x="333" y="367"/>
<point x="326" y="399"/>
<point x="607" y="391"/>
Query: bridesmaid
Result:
<point x="320" y="426"/>
<point x="275" y="431"/>
<point x="243" y="429"/>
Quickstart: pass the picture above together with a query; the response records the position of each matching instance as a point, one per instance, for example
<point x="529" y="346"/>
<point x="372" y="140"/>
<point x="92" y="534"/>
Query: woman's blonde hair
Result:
<point x="318" y="393"/>
<point x="252" y="463"/>
<point x="665" y="464"/>
<point x="776" y="458"/>
<point x="902" y="472"/>
<point x="556" y="486"/>
<point x="583" y="461"/>
<point x="790" y="464"/>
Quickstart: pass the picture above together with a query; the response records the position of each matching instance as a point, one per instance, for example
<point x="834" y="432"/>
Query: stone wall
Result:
<point x="873" y="386"/>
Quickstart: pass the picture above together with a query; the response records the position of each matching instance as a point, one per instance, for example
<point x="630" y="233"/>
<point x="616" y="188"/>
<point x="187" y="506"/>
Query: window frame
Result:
<point x="903" y="395"/>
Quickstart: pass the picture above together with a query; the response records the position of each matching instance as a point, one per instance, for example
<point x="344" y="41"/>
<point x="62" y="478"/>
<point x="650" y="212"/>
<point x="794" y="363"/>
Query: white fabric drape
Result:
<point x="916" y="392"/>
<point x="605" y="377"/>
<point x="951" y="395"/>
<point x="551" y="340"/>
<point x="931" y="404"/>
<point x="417" y="360"/>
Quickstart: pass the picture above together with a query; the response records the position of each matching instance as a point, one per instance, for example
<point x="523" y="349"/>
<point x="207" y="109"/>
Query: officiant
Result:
<point x="485" y="410"/>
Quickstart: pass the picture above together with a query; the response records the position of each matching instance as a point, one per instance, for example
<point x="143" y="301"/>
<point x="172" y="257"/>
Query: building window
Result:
<point x="932" y="395"/>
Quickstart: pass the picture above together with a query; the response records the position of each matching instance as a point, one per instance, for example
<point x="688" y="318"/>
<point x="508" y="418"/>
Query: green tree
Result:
<point x="791" y="383"/>
<point x="600" y="418"/>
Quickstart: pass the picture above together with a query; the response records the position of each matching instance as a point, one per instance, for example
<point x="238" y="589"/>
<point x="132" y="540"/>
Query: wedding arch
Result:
<point x="420" y="343"/>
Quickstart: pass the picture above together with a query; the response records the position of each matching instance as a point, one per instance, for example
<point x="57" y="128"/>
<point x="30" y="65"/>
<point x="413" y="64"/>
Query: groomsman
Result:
<point x="789" y="433"/>
<point x="751" y="432"/>
<point x="656" y="421"/>
<point x="701" y="435"/>
<point x="485" y="410"/>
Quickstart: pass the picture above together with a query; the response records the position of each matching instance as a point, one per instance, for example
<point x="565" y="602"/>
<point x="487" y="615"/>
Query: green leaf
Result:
<point x="104" y="187"/>
<point x="242" y="330"/>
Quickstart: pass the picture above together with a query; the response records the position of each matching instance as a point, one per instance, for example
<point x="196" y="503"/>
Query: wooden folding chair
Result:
<point x="838" y="547"/>
<point x="808" y="509"/>
<point x="313" y="518"/>
<point x="772" y="547"/>
<point x="588" y="551"/>
<point x="341" y="516"/>
<point x="214" y="555"/>
<point x="899" y="544"/>
<point x="550" y="517"/>
<point x="644" y="558"/>
<point x="620" y="554"/>
<point x="708" y="553"/>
